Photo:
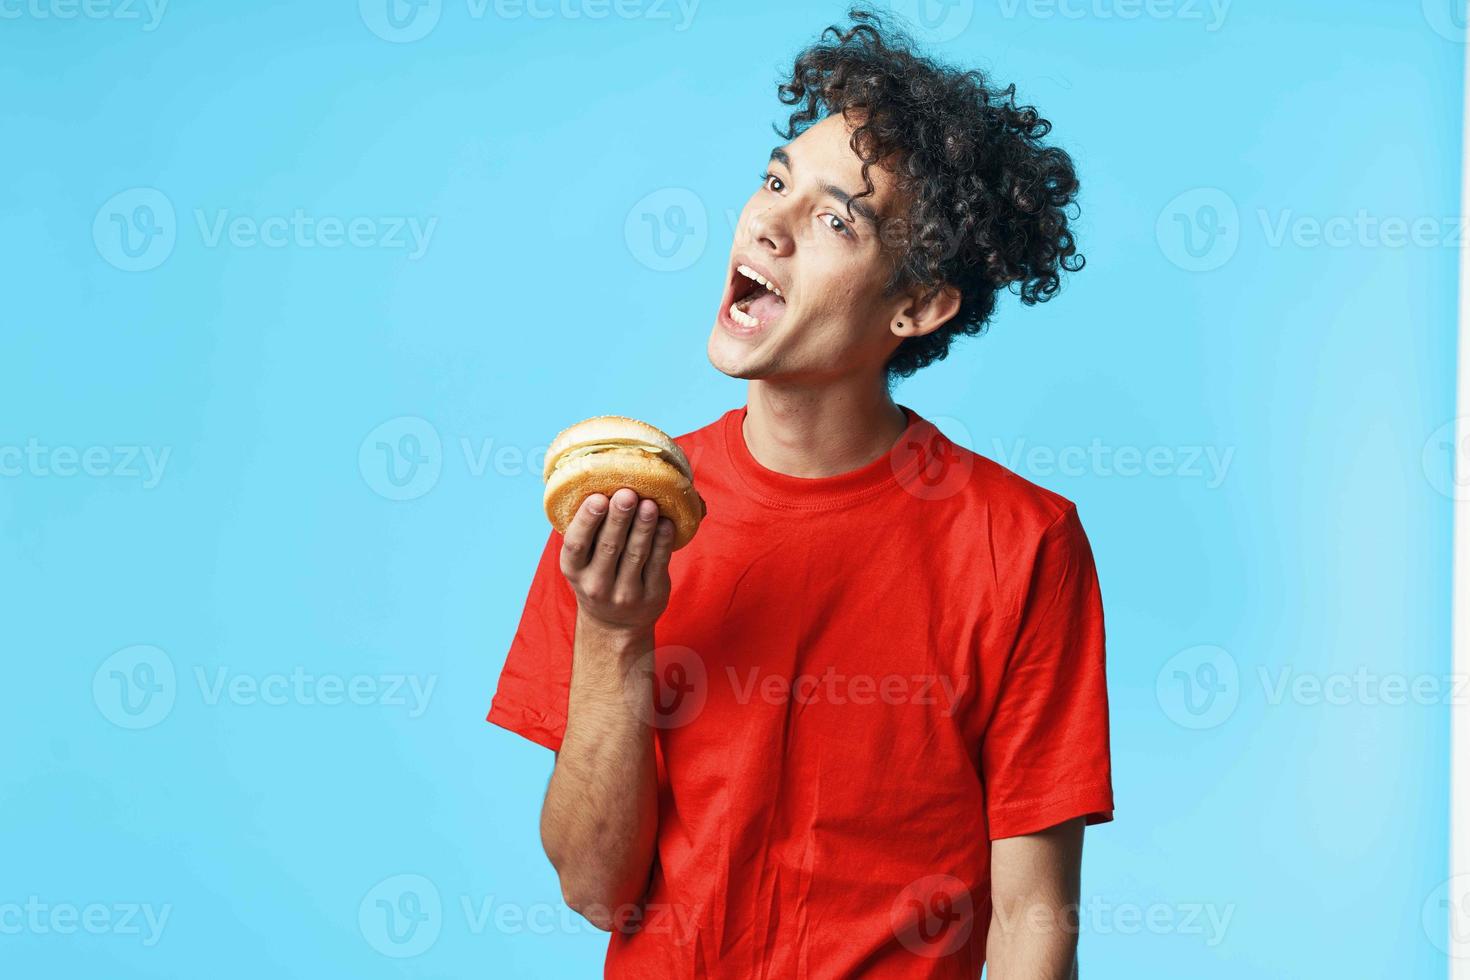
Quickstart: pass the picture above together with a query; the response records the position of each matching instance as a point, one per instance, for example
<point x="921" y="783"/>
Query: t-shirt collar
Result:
<point x="890" y="471"/>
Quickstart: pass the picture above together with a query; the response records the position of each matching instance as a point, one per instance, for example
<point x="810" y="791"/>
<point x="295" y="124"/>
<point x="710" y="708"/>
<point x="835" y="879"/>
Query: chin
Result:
<point x="730" y="359"/>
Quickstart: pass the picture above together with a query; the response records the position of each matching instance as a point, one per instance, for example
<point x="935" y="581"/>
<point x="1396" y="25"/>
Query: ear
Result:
<point x="918" y="318"/>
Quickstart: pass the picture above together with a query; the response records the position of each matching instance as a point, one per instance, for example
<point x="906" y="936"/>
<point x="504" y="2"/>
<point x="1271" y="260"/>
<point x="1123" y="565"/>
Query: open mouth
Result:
<point x="755" y="300"/>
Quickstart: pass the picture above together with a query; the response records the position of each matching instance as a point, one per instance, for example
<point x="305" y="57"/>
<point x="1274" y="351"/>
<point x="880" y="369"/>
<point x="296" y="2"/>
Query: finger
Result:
<point x="581" y="534"/>
<point x="612" y="536"/>
<point x="638" y="548"/>
<point x="656" y="571"/>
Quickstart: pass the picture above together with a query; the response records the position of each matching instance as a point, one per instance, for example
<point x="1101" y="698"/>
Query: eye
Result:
<point x="766" y="179"/>
<point x="839" y="226"/>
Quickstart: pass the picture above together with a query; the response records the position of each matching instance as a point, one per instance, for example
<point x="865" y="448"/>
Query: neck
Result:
<point x="816" y="432"/>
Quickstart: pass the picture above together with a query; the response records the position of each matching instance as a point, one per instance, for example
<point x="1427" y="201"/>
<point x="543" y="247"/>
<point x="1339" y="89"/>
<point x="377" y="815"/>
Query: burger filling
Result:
<point x="593" y="448"/>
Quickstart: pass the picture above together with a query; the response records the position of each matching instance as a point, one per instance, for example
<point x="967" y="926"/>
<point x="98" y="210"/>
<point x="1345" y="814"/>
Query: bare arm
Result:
<point x="600" y="816"/>
<point x="1035" y="887"/>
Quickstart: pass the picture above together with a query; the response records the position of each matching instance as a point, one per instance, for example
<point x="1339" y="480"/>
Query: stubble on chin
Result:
<point x="741" y="366"/>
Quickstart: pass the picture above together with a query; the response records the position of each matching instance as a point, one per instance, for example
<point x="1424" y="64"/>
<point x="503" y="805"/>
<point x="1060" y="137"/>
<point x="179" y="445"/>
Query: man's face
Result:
<point x="831" y="319"/>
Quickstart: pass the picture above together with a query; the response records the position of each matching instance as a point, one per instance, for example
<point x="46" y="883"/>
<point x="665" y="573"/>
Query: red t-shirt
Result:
<point x="863" y="680"/>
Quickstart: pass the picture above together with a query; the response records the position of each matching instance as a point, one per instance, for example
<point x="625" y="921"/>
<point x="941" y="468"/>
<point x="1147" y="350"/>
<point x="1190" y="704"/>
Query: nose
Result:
<point x="770" y="229"/>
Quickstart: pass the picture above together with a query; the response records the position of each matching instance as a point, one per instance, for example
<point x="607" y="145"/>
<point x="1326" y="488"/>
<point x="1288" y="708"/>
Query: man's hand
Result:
<point x="617" y="561"/>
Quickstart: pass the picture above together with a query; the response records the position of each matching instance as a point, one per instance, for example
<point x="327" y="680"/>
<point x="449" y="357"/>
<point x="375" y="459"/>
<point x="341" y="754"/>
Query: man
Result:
<point x="857" y="726"/>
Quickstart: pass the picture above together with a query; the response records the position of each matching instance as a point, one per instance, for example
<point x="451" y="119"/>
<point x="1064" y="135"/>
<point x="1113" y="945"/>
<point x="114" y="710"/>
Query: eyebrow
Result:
<point x="780" y="155"/>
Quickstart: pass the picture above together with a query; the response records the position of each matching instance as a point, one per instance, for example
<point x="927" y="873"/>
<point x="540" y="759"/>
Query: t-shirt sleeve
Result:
<point x="1045" y="754"/>
<point x="531" y="698"/>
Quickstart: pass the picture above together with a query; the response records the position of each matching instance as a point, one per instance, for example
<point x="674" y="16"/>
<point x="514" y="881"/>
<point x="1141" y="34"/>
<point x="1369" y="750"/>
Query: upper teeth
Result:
<point x="750" y="273"/>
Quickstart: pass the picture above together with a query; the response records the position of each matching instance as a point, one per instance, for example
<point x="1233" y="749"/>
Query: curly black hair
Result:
<point x="988" y="200"/>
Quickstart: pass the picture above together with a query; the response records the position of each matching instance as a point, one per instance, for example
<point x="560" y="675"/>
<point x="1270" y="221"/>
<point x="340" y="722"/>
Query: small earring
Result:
<point x="900" y="324"/>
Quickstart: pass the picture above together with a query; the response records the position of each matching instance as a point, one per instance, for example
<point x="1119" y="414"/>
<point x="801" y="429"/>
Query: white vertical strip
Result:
<point x="1459" y="938"/>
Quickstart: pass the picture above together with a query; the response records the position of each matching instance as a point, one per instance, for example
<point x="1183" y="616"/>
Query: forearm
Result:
<point x="1035" y="888"/>
<point x="599" y="820"/>
<point x="1037" y="946"/>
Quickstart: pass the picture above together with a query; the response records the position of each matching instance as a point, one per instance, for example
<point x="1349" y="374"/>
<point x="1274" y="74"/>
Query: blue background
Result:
<point x="581" y="174"/>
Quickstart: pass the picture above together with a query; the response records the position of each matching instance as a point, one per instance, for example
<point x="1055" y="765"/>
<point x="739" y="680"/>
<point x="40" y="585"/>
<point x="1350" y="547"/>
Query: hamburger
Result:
<point x="602" y="454"/>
